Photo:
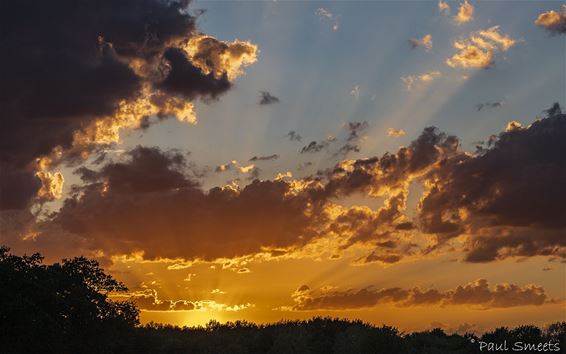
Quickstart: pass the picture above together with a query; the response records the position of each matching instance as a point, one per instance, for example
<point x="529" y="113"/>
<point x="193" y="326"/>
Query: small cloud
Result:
<point x="264" y="158"/>
<point x="266" y="98"/>
<point x="546" y="269"/>
<point x="411" y="80"/>
<point x="443" y="7"/>
<point x="552" y="21"/>
<point x="425" y="42"/>
<point x="355" y="128"/>
<point x="217" y="292"/>
<point x="355" y="92"/>
<point x="243" y="270"/>
<point x="481" y="106"/>
<point x="327" y="16"/>
<point x="235" y="166"/>
<point x="190" y="277"/>
<point x="513" y="125"/>
<point x="465" y="13"/>
<point x="304" y="165"/>
<point x="395" y="133"/>
<point x="294" y="136"/>
<point x="346" y="149"/>
<point x="478" y="51"/>
<point x="282" y="175"/>
<point x="314" y="146"/>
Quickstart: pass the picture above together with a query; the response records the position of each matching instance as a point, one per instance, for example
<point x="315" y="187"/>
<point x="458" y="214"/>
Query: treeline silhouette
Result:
<point x="65" y="308"/>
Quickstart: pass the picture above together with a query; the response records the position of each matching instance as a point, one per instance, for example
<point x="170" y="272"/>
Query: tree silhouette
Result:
<point x="65" y="308"/>
<point x="59" y="308"/>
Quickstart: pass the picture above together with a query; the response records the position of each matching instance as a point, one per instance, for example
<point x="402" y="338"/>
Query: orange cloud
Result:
<point x="465" y="13"/>
<point x="552" y="21"/>
<point x="478" y="51"/>
<point x="474" y="294"/>
<point x="411" y="80"/>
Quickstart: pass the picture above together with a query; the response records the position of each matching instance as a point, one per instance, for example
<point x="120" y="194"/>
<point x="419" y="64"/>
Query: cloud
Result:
<point x="264" y="158"/>
<point x="147" y="300"/>
<point x="51" y="185"/>
<point x="314" y="147"/>
<point x="267" y="98"/>
<point x="411" y="80"/>
<point x="354" y="129"/>
<point x="118" y="65"/>
<point x="465" y="13"/>
<point x="552" y="21"/>
<point x="443" y="7"/>
<point x="187" y="80"/>
<point x="425" y="42"/>
<point x="390" y="173"/>
<point x="346" y="149"/>
<point x="124" y="205"/>
<point x="481" y="106"/>
<point x="355" y="92"/>
<point x="235" y="166"/>
<point x="326" y="16"/>
<point x="479" y="50"/>
<point x="474" y="294"/>
<point x="294" y="136"/>
<point x="508" y="198"/>
<point x="221" y="58"/>
<point x="395" y="133"/>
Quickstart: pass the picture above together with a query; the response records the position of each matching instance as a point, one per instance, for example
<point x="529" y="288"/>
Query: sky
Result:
<point x="400" y="162"/>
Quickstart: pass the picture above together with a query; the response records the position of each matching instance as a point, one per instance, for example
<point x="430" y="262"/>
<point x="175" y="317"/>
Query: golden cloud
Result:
<point x="395" y="133"/>
<point x="465" y="13"/>
<point x="412" y="80"/>
<point x="478" y="51"/>
<point x="553" y="21"/>
<point x="219" y="57"/>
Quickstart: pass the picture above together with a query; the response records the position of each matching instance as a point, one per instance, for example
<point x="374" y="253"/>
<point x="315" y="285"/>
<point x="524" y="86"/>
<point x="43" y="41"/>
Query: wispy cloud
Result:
<point x="395" y="133"/>
<point x="267" y="98"/>
<point x="411" y="81"/>
<point x="443" y="7"/>
<point x="326" y="16"/>
<point x="425" y="42"/>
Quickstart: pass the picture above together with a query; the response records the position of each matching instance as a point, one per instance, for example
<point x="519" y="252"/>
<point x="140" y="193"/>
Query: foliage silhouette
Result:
<point x="65" y="308"/>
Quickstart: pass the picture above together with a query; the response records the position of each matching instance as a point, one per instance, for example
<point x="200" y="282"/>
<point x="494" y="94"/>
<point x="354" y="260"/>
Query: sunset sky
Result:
<point x="400" y="162"/>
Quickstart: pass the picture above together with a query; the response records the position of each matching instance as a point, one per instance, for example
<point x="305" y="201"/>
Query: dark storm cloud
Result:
<point x="266" y="98"/>
<point x="294" y="136"/>
<point x="185" y="79"/>
<point x="161" y="171"/>
<point x="508" y="200"/>
<point x="126" y="205"/>
<point x="67" y="63"/>
<point x="265" y="158"/>
<point x="477" y="293"/>
<point x="511" y="194"/>
<point x="391" y="171"/>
